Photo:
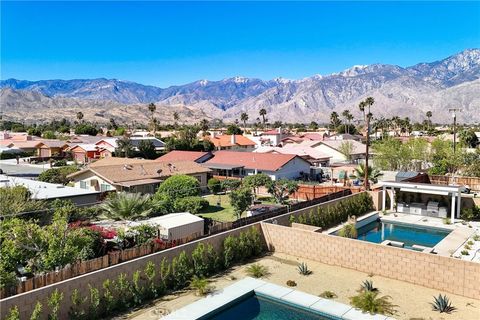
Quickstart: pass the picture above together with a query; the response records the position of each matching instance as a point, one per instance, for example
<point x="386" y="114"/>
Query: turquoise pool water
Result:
<point x="261" y="308"/>
<point x="379" y="231"/>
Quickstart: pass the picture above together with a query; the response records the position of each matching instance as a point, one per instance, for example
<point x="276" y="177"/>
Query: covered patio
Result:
<point x="422" y="199"/>
<point x="225" y="170"/>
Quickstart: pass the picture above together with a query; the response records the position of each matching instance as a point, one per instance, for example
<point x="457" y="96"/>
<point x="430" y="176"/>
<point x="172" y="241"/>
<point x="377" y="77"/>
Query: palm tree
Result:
<point x="368" y="102"/>
<point x="79" y="115"/>
<point x="125" y="146"/>
<point x="204" y="125"/>
<point x="123" y="205"/>
<point x="334" y="120"/>
<point x="152" y="107"/>
<point x="244" y="118"/>
<point x="263" y="113"/>
<point x="176" y="117"/>
<point x="372" y="174"/>
<point x="347" y="116"/>
<point x="429" y="115"/>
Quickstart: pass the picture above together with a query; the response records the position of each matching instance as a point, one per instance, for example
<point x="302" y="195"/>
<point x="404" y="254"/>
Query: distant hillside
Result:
<point x="411" y="91"/>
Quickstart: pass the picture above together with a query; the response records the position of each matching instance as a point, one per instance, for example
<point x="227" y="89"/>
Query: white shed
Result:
<point x="178" y="226"/>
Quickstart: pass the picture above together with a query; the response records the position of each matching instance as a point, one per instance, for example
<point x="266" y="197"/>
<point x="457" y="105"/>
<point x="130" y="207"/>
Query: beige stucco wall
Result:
<point x="88" y="176"/>
<point x="443" y="273"/>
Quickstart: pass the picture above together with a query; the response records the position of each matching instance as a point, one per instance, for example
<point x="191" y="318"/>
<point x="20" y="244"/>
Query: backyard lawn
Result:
<point x="224" y="212"/>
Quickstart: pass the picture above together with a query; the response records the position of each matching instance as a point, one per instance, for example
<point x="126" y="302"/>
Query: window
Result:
<point x="104" y="187"/>
<point x="83" y="184"/>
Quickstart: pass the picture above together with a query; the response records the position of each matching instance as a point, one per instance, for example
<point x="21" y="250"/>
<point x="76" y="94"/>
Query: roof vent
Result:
<point x="127" y="167"/>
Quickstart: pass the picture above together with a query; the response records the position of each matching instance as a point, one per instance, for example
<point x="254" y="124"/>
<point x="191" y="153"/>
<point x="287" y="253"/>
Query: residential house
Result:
<point x="334" y="148"/>
<point x="157" y="143"/>
<point x="240" y="164"/>
<point x="180" y="155"/>
<point x="314" y="156"/>
<point x="231" y="142"/>
<point x="345" y="136"/>
<point x="311" y="136"/>
<point x="84" y="153"/>
<point x="135" y="175"/>
<point x="51" y="148"/>
<point x="50" y="191"/>
<point x="273" y="137"/>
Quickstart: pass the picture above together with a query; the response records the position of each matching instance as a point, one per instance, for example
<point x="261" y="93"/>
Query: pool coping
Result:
<point x="222" y="299"/>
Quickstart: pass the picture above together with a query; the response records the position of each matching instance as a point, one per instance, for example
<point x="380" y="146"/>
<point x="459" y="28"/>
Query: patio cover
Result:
<point x="220" y="166"/>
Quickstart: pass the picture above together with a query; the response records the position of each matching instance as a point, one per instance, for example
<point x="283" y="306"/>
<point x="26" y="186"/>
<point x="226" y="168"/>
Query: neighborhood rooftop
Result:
<point x="249" y="160"/>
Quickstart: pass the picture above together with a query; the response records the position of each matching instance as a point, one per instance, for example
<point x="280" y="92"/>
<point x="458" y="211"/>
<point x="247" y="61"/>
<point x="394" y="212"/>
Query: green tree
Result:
<point x="240" y="200"/>
<point x="348" y="117"/>
<point x="79" y="116"/>
<point x="86" y="128"/>
<point x="152" y="108"/>
<point x="233" y="129"/>
<point x="244" y="118"/>
<point x="313" y="126"/>
<point x="13" y="314"/>
<point x="262" y="114"/>
<point x="372" y="174"/>
<point x="17" y="199"/>
<point x="346" y="147"/>
<point x="214" y="185"/>
<point x="58" y="175"/>
<point x="334" y="120"/>
<point x="124" y="147"/>
<point x="204" y="125"/>
<point x="49" y="134"/>
<point x="256" y="181"/>
<point x="180" y="186"/>
<point x="468" y="138"/>
<point x="123" y="205"/>
<point x="282" y="188"/>
<point x="429" y="116"/>
<point x="147" y="149"/>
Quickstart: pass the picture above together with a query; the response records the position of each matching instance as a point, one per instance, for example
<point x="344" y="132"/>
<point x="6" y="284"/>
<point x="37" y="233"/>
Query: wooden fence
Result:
<point x="309" y="192"/>
<point x="472" y="182"/>
<point x="83" y="267"/>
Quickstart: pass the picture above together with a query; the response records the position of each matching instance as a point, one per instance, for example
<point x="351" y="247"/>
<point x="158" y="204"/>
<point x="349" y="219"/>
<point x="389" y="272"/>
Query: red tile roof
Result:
<point x="225" y="140"/>
<point x="177" y="155"/>
<point x="251" y="160"/>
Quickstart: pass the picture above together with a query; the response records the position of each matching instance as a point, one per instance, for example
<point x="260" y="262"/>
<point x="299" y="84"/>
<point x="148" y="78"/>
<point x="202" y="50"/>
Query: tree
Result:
<point x="49" y="134"/>
<point x="204" y="125"/>
<point x="282" y="188"/>
<point x="468" y="137"/>
<point x="123" y="205"/>
<point x="58" y="175"/>
<point x="263" y="113"/>
<point x="348" y="117"/>
<point x="214" y="185"/>
<point x="15" y="199"/>
<point x="256" y="181"/>
<point x="86" y="128"/>
<point x="429" y="116"/>
<point x="176" y="117"/>
<point x="244" y="118"/>
<point x="234" y="129"/>
<point x="152" y="108"/>
<point x="80" y="116"/>
<point x="180" y="186"/>
<point x="240" y="200"/>
<point x="334" y="120"/>
<point x="124" y="147"/>
<point x="147" y="149"/>
<point x="313" y="126"/>
<point x="371" y="174"/>
<point x="368" y="102"/>
<point x="346" y="147"/>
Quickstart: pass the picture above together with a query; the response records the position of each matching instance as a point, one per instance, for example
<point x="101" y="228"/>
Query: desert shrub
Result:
<point x="150" y="273"/>
<point x="442" y="304"/>
<point x="303" y="269"/>
<point x="368" y="301"/>
<point x="328" y="294"/>
<point x="76" y="310"/>
<point x="471" y="214"/>
<point x="201" y="285"/>
<point x="190" y="204"/>
<point x="181" y="270"/>
<point x="37" y="311"/>
<point x="348" y="231"/>
<point x="199" y="260"/>
<point x="54" y="303"/>
<point x="256" y="270"/>
<point x="291" y="283"/>
<point x="57" y="175"/>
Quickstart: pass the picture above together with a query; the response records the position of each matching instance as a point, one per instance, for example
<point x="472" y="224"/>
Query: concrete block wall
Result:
<point x="428" y="270"/>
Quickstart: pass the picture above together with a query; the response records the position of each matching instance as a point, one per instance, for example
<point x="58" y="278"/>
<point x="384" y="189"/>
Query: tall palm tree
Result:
<point x="263" y="113"/>
<point x="334" y="120"/>
<point x="367" y="103"/>
<point x="347" y="116"/>
<point x="244" y="118"/>
<point x="152" y="108"/>
<point x="429" y="115"/>
<point x="204" y="125"/>
<point x="123" y="205"/>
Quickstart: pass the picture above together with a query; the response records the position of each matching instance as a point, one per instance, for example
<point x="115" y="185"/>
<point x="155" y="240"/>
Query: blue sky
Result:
<point x="162" y="43"/>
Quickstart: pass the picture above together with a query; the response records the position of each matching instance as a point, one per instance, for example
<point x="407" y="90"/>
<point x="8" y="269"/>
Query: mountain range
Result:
<point x="453" y="82"/>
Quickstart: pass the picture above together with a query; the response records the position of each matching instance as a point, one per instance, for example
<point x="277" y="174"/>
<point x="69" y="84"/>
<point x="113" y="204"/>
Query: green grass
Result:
<point x="224" y="212"/>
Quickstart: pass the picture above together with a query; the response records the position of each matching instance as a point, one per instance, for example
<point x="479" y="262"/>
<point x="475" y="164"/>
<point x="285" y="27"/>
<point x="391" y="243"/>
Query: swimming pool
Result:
<point x="256" y="307"/>
<point x="378" y="231"/>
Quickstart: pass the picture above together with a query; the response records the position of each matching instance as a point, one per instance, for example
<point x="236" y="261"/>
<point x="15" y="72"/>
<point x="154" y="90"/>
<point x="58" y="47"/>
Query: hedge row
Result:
<point x="120" y="294"/>
<point x="327" y="217"/>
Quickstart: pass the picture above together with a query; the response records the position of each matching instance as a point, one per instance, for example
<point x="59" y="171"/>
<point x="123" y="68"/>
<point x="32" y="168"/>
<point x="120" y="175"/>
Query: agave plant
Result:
<point x="442" y="304"/>
<point x="257" y="270"/>
<point x="124" y="205"/>
<point x="303" y="269"/>
<point x="368" y="301"/>
<point x="201" y="285"/>
<point x="367" y="286"/>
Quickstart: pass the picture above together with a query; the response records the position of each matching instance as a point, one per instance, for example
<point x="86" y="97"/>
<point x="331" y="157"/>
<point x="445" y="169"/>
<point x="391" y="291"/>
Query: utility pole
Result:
<point x="454" y="111"/>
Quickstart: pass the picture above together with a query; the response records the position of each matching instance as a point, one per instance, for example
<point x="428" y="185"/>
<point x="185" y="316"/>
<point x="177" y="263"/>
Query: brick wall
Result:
<point x="428" y="270"/>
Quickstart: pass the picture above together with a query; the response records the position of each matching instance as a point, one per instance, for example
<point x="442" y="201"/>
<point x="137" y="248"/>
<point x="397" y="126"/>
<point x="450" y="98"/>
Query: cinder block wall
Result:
<point x="428" y="270"/>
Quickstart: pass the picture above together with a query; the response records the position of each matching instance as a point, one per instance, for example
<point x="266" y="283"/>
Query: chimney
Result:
<point x="233" y="139"/>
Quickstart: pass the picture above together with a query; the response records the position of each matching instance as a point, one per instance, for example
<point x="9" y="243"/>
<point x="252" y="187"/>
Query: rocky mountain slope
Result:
<point x="411" y="91"/>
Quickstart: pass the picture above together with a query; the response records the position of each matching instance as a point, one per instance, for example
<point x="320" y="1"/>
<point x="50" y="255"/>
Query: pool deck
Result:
<point x="450" y="244"/>
<point x="213" y="302"/>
